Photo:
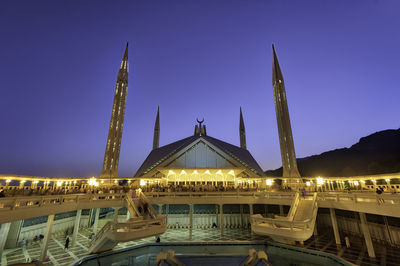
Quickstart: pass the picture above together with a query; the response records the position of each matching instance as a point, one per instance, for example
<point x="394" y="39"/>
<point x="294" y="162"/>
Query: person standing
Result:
<point x="66" y="244"/>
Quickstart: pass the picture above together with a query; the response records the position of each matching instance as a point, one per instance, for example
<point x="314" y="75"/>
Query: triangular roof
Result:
<point x="162" y="154"/>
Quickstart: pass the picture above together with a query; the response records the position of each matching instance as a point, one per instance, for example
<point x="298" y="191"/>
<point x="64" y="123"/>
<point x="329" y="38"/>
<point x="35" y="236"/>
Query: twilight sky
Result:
<point x="59" y="62"/>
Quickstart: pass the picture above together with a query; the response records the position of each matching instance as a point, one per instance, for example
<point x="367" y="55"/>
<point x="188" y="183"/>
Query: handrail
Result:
<point x="289" y="223"/>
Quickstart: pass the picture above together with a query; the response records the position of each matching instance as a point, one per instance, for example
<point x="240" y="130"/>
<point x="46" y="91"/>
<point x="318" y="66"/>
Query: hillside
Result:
<point x="374" y="154"/>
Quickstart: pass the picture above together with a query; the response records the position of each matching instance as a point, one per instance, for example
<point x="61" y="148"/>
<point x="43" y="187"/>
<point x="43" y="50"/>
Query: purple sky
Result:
<point x="59" y="62"/>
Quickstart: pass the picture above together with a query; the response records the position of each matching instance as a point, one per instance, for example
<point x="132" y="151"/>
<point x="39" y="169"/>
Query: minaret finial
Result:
<point x="156" y="139"/>
<point x="242" y="131"/>
<point x="113" y="146"/>
<point x="288" y="154"/>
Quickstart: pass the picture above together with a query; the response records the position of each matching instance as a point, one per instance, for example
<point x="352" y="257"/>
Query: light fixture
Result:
<point x="269" y="182"/>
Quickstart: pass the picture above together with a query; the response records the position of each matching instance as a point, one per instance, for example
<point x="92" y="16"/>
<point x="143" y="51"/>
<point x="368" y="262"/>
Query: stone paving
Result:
<point x="357" y="254"/>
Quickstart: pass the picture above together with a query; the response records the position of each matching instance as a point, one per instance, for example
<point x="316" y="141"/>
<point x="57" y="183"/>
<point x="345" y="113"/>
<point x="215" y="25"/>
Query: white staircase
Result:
<point x="297" y="226"/>
<point x="144" y="222"/>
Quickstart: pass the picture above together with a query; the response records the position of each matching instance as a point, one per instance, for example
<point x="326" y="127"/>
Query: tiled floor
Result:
<point x="357" y="254"/>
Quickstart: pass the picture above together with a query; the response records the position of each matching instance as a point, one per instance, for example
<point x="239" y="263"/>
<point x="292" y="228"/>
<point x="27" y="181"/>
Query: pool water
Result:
<point x="213" y="253"/>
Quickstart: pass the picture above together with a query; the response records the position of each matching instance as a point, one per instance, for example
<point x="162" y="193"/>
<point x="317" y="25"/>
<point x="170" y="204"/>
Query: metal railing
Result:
<point x="23" y="202"/>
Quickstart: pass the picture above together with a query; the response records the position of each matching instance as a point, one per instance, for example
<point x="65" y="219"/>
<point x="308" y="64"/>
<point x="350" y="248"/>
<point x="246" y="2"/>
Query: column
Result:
<point x="190" y="220"/>
<point x="241" y="216"/>
<point x="367" y="235"/>
<point x="166" y="214"/>
<point x="76" y="227"/>
<point x="116" y="209"/>
<point x="4" y="234"/>
<point x="96" y="220"/>
<point x="159" y="208"/>
<point x="251" y="213"/>
<point x="221" y="219"/>
<point x="281" y="213"/>
<point x="47" y="236"/>
<point x="335" y="226"/>
<point x="128" y="214"/>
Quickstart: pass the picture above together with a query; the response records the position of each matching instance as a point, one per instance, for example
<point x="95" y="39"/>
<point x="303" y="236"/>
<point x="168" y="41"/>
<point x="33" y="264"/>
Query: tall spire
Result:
<point x="288" y="154"/>
<point x="242" y="131"/>
<point x="113" y="146"/>
<point x="156" y="139"/>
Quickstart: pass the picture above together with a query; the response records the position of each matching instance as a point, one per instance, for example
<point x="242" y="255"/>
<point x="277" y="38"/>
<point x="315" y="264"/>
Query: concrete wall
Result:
<point x="379" y="232"/>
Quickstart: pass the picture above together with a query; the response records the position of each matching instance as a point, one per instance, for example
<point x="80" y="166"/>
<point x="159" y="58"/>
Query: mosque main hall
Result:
<point x="200" y="201"/>
<point x="200" y="158"/>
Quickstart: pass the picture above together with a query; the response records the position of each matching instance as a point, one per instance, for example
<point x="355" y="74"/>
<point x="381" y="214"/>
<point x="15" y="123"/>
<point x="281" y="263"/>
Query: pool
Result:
<point x="213" y="253"/>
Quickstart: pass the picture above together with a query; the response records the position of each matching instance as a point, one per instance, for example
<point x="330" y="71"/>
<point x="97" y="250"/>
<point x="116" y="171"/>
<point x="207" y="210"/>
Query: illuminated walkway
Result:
<point x="357" y="254"/>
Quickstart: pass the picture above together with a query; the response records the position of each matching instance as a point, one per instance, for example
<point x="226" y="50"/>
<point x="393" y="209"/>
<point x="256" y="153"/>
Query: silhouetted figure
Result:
<point x="158" y="240"/>
<point x="214" y="225"/>
<point x="66" y="244"/>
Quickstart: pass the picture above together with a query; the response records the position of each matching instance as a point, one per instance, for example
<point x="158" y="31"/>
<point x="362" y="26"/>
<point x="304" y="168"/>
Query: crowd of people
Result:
<point x="10" y="191"/>
<point x="43" y="191"/>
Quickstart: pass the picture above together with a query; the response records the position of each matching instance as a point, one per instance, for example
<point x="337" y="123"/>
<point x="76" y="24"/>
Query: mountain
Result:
<point x="377" y="153"/>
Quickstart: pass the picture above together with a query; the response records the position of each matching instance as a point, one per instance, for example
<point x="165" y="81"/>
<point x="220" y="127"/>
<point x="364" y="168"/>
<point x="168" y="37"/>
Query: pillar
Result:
<point x="367" y="235"/>
<point x="335" y="226"/>
<point x="281" y="213"/>
<point x="241" y="215"/>
<point x="221" y="219"/>
<point x="47" y="236"/>
<point x="190" y="220"/>
<point x="251" y="209"/>
<point x="159" y="208"/>
<point x="116" y="209"/>
<point x="166" y="213"/>
<point x="3" y="233"/>
<point x="128" y="214"/>
<point x="96" y="220"/>
<point x="76" y="227"/>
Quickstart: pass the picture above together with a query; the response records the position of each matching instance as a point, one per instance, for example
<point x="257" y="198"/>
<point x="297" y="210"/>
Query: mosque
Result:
<point x="240" y="216"/>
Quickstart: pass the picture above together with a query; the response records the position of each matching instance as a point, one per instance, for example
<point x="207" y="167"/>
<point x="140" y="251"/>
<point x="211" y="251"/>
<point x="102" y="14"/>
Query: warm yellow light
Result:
<point x="320" y="181"/>
<point x="362" y="181"/>
<point x="102" y="181"/>
<point x="59" y="183"/>
<point x="195" y="172"/>
<point x="269" y="182"/>
<point x="387" y="180"/>
<point x="231" y="172"/>
<point x="92" y="181"/>
<point x="373" y="180"/>
<point x="356" y="183"/>
<point x="207" y="172"/>
<point x="183" y="172"/>
<point x="308" y="183"/>
<point x="219" y="172"/>
<point x="35" y="182"/>
<point x="170" y="172"/>
<point x="8" y="181"/>
<point x="115" y="181"/>
<point x="142" y="182"/>
<point x="129" y="181"/>
<point x="23" y="181"/>
<point x="75" y="182"/>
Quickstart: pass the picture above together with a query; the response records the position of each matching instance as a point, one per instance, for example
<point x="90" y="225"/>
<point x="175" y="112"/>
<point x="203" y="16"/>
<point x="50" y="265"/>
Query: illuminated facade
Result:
<point x="200" y="159"/>
<point x="288" y="154"/>
<point x="113" y="146"/>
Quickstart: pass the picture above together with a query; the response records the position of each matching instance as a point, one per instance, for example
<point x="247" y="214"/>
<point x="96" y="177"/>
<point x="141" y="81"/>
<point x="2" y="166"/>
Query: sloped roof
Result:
<point x="160" y="155"/>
